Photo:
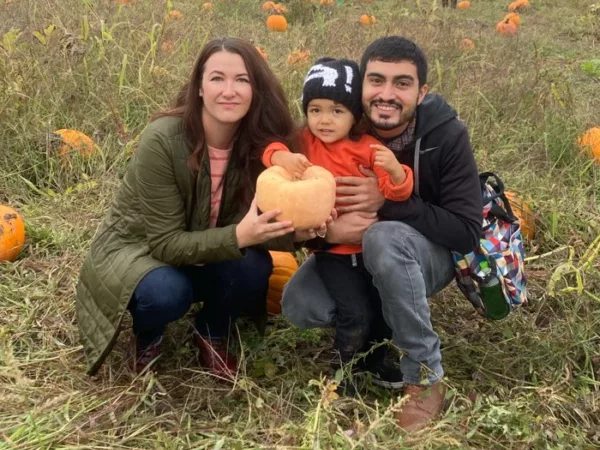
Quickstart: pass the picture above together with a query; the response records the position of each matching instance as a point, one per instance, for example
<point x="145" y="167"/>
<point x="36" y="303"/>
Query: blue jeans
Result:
<point x="226" y="289"/>
<point x="406" y="268"/>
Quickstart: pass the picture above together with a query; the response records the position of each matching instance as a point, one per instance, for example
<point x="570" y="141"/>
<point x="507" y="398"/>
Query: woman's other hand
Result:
<point x="256" y="229"/>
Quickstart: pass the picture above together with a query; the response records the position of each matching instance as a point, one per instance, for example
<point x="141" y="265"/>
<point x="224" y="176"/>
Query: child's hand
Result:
<point x="386" y="159"/>
<point x="294" y="163"/>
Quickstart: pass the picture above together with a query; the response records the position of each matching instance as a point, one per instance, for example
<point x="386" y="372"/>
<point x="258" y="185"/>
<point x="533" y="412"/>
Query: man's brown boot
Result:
<point x="424" y="405"/>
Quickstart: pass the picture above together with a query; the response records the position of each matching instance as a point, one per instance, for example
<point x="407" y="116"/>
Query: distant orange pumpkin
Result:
<point x="262" y="52"/>
<point x="522" y="210"/>
<point x="207" y="5"/>
<point x="268" y="6"/>
<point x="12" y="233"/>
<point x="326" y="2"/>
<point x="175" y="15"/>
<point x="506" y="28"/>
<point x="366" y="20"/>
<point x="277" y="22"/>
<point x="462" y="6"/>
<point x="514" y="18"/>
<point x="519" y="5"/>
<point x="298" y="57"/>
<point x="467" y="44"/>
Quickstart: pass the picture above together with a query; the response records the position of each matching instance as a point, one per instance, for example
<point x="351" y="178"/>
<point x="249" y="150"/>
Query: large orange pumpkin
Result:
<point x="284" y="266"/>
<point x="590" y="142"/>
<point x="462" y="6"/>
<point x="307" y="201"/>
<point x="73" y="141"/>
<point x="522" y="210"/>
<point x="12" y="233"/>
<point x="277" y="22"/>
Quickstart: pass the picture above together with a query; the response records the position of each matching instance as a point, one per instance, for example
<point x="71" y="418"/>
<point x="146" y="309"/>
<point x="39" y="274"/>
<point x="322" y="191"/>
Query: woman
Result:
<point x="184" y="227"/>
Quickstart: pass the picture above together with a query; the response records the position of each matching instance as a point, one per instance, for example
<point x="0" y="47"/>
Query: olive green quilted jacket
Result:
<point x="160" y="216"/>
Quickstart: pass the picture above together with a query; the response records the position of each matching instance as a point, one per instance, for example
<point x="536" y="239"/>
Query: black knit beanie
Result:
<point x="337" y="80"/>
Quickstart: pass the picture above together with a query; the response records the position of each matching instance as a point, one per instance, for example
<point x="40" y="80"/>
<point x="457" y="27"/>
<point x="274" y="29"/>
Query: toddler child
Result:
<point x="331" y="100"/>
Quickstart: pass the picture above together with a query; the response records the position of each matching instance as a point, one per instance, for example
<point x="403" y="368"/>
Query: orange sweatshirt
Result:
<point x="342" y="158"/>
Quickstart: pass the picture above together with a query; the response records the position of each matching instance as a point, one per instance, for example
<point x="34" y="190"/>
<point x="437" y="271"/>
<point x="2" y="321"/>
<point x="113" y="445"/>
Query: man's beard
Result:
<point x="406" y="115"/>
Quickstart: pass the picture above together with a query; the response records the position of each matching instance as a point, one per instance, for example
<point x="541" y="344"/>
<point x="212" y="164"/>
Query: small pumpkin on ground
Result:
<point x="513" y="17"/>
<point x="73" y="141"/>
<point x="366" y="20"/>
<point x="506" y="28"/>
<point x="307" y="201"/>
<point x="268" y="6"/>
<point x="277" y="22"/>
<point x="522" y="210"/>
<point x="262" y="52"/>
<point x="467" y="44"/>
<point x="519" y="5"/>
<point x="590" y="142"/>
<point x="284" y="266"/>
<point x="463" y="6"/>
<point x="12" y="233"/>
<point x="298" y="57"/>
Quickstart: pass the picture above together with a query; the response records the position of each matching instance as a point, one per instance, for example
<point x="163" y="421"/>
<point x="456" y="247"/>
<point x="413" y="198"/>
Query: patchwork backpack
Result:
<point x="492" y="277"/>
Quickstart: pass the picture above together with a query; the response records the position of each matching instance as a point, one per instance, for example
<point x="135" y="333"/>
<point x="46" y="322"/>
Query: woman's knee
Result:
<point x="167" y="290"/>
<point x="256" y="268"/>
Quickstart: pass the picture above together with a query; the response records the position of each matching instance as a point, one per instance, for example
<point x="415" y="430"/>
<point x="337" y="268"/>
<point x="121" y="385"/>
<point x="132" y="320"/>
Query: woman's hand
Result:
<point x="254" y="229"/>
<point x="358" y="193"/>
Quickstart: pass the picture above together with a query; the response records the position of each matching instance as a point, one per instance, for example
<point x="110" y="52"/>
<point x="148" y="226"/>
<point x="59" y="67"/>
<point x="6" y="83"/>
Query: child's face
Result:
<point x="328" y="120"/>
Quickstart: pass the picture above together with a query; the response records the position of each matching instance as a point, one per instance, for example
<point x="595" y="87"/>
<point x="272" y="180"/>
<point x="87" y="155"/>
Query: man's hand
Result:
<point x="349" y="228"/>
<point x="359" y="194"/>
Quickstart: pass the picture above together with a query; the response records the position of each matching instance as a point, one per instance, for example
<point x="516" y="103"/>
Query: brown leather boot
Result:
<point x="424" y="405"/>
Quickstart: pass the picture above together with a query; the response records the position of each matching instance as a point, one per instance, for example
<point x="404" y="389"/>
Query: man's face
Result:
<point x="390" y="95"/>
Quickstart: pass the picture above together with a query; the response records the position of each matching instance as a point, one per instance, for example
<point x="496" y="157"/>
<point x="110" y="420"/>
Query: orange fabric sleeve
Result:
<point x="395" y="192"/>
<point x="272" y="148"/>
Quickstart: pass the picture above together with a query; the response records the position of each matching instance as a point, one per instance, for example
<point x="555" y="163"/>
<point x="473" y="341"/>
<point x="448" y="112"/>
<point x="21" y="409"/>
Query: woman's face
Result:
<point x="225" y="88"/>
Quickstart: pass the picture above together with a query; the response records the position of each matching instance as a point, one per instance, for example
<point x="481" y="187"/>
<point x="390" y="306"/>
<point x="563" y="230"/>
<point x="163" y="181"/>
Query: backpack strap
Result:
<point x="498" y="186"/>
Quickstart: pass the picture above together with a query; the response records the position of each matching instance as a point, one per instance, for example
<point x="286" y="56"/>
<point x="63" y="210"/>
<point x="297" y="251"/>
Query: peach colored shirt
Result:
<point x="219" y="159"/>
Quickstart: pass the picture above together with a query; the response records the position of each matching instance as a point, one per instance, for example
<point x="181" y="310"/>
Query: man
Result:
<point x="408" y="250"/>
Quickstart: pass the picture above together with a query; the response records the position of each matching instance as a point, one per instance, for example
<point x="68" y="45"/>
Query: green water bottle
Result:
<point x="491" y="291"/>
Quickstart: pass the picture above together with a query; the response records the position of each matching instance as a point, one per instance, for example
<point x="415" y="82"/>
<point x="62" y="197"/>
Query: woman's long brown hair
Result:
<point x="268" y="118"/>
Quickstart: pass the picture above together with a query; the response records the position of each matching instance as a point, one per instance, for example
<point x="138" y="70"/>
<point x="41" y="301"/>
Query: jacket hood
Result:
<point x="431" y="113"/>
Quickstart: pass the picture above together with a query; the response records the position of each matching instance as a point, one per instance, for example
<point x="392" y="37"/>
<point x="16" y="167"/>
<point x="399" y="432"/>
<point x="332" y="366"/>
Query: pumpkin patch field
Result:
<point x="79" y="80"/>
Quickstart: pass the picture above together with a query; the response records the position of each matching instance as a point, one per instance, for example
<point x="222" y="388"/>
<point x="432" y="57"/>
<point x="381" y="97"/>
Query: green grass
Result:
<point x="528" y="382"/>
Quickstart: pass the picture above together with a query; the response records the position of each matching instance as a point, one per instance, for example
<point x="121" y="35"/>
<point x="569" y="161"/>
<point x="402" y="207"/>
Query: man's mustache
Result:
<point x="389" y="102"/>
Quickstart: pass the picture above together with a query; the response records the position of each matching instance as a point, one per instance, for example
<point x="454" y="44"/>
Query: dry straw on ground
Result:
<point x="528" y="382"/>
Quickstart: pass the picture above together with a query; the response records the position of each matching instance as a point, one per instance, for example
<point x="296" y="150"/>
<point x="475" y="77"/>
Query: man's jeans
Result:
<point x="226" y="289"/>
<point x="407" y="268"/>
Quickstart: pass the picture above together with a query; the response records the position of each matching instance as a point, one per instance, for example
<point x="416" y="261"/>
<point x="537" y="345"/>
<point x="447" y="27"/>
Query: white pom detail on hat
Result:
<point x="328" y="74"/>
